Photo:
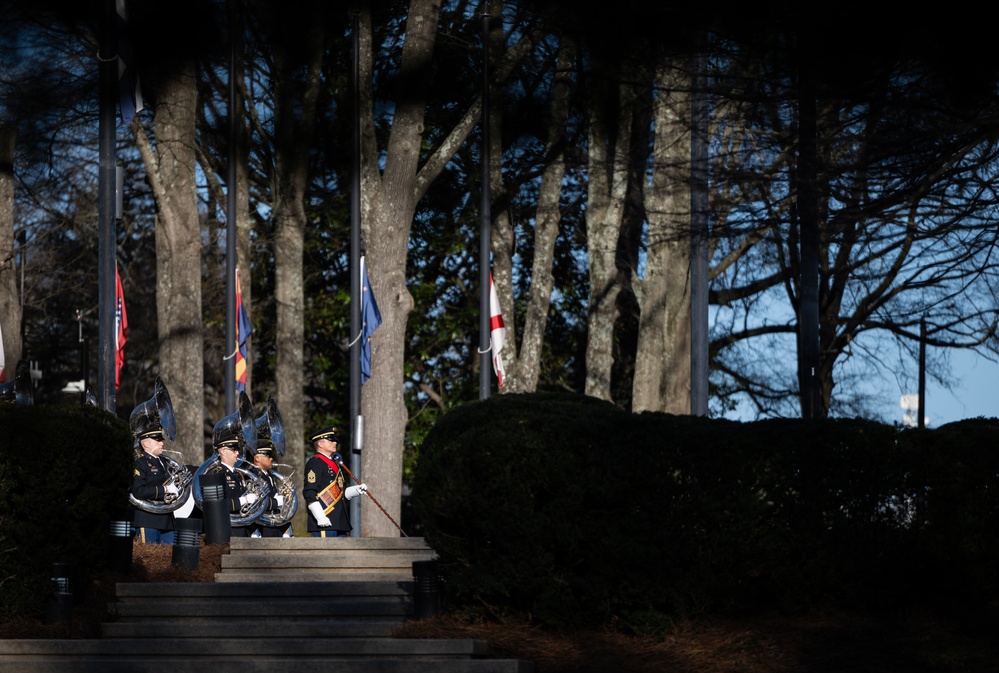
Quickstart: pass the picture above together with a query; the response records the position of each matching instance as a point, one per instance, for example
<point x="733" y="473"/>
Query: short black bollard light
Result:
<point x="426" y="598"/>
<point x="120" y="541"/>
<point x="60" y="606"/>
<point x="215" y="508"/>
<point x="187" y="547"/>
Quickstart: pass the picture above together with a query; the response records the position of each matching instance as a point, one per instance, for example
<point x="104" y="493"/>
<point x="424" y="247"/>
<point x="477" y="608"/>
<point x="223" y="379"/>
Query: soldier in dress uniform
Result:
<point x="263" y="461"/>
<point x="228" y="446"/>
<point x="325" y="491"/>
<point x="149" y="482"/>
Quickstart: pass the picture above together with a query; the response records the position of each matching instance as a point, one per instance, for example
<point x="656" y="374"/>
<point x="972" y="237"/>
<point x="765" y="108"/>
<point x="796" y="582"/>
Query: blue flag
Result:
<point x="130" y="95"/>
<point x="371" y="318"/>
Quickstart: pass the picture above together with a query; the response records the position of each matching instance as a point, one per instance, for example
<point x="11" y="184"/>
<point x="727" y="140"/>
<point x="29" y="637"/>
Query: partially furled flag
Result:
<point x="243" y="331"/>
<point x="130" y="95"/>
<point x="121" y="328"/>
<point x="497" y="331"/>
<point x="371" y="318"/>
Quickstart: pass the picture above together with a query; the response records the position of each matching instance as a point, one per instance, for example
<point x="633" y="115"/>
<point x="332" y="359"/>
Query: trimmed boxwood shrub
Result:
<point x="568" y="510"/>
<point x="63" y="471"/>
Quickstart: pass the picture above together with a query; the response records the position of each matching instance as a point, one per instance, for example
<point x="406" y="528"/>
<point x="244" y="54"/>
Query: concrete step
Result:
<point x="249" y="575"/>
<point x="306" y="627"/>
<point x="268" y="601"/>
<point x="128" y="591"/>
<point x="266" y="609"/>
<point x="228" y="646"/>
<point x="300" y="559"/>
<point x="255" y="664"/>
<point x="309" y="543"/>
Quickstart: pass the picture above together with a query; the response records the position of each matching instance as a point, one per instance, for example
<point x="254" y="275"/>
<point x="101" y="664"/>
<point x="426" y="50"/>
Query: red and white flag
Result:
<point x="497" y="331"/>
<point x="121" y="327"/>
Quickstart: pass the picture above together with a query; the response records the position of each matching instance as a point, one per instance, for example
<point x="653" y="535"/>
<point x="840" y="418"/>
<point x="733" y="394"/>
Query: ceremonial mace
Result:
<point x="338" y="459"/>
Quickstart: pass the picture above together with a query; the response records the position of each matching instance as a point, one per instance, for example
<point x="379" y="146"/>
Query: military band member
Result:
<point x="263" y="461"/>
<point x="325" y="489"/>
<point x="149" y="482"/>
<point x="228" y="446"/>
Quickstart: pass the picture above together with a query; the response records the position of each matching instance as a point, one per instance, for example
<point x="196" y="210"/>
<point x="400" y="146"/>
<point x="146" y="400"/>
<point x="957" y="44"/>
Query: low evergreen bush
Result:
<point x="567" y="510"/>
<point x="63" y="471"/>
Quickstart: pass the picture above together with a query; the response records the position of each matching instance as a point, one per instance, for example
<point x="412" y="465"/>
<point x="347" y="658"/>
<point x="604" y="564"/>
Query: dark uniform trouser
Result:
<point x="155" y="536"/>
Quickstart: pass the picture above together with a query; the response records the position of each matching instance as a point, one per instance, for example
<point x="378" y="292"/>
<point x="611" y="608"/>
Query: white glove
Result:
<point x="317" y="511"/>
<point x="279" y="499"/>
<point x="171" y="488"/>
<point x="247" y="499"/>
<point x="352" y="492"/>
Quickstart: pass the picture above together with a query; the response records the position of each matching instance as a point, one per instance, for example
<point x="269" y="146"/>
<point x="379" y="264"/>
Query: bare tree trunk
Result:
<point x="170" y="169"/>
<point x="10" y="307"/>
<point x="524" y="375"/>
<point x="609" y="161"/>
<point x="294" y="135"/>
<point x="662" y="361"/>
<point x="389" y="204"/>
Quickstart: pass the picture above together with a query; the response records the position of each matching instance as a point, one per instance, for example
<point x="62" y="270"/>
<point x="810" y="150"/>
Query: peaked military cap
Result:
<point x="329" y="432"/>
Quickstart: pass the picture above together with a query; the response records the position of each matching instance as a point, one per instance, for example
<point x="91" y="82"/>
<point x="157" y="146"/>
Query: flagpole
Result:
<point x="356" y="419"/>
<point x="699" y="355"/>
<point x="230" y="225"/>
<point x="485" y="219"/>
<point x="107" y="238"/>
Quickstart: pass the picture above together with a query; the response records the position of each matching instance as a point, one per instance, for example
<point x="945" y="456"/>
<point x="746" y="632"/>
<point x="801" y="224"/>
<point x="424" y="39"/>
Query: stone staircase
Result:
<point x="283" y="604"/>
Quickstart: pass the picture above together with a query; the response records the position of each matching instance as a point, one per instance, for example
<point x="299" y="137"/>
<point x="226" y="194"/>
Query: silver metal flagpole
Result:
<point x="357" y="420"/>
<point x="107" y="238"/>
<point x="699" y="239"/>
<point x="230" y="219"/>
<point x="485" y="217"/>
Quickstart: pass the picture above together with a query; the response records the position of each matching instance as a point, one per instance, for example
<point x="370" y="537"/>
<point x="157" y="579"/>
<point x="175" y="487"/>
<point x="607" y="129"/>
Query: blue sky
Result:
<point x="974" y="393"/>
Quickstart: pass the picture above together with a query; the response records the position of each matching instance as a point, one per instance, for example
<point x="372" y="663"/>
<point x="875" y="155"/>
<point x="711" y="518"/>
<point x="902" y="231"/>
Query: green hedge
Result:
<point x="63" y="471"/>
<point x="571" y="511"/>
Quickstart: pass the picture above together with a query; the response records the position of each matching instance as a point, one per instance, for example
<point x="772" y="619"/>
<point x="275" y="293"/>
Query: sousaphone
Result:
<point x="154" y="413"/>
<point x="20" y="389"/>
<point x="270" y="426"/>
<point x="241" y="425"/>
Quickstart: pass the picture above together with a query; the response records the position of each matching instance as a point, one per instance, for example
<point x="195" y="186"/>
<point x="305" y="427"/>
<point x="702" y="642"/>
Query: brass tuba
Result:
<point x="241" y="425"/>
<point x="21" y="389"/>
<point x="157" y="412"/>
<point x="270" y="425"/>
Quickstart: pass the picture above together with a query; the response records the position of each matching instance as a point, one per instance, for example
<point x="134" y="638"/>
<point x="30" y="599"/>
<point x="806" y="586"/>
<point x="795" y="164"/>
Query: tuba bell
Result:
<point x="270" y="426"/>
<point x="157" y="412"/>
<point x="20" y="390"/>
<point x="241" y="425"/>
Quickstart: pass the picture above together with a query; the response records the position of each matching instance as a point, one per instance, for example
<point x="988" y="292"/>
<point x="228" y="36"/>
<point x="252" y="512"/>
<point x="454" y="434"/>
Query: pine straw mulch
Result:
<point x="831" y="642"/>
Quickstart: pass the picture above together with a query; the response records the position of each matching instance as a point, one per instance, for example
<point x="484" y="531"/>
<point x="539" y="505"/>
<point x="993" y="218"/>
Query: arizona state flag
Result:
<point x="243" y="331"/>
<point x="121" y="328"/>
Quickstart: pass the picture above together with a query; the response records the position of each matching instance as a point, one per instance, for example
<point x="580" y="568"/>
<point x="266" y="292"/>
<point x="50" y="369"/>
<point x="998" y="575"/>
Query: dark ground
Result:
<point x="832" y="642"/>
